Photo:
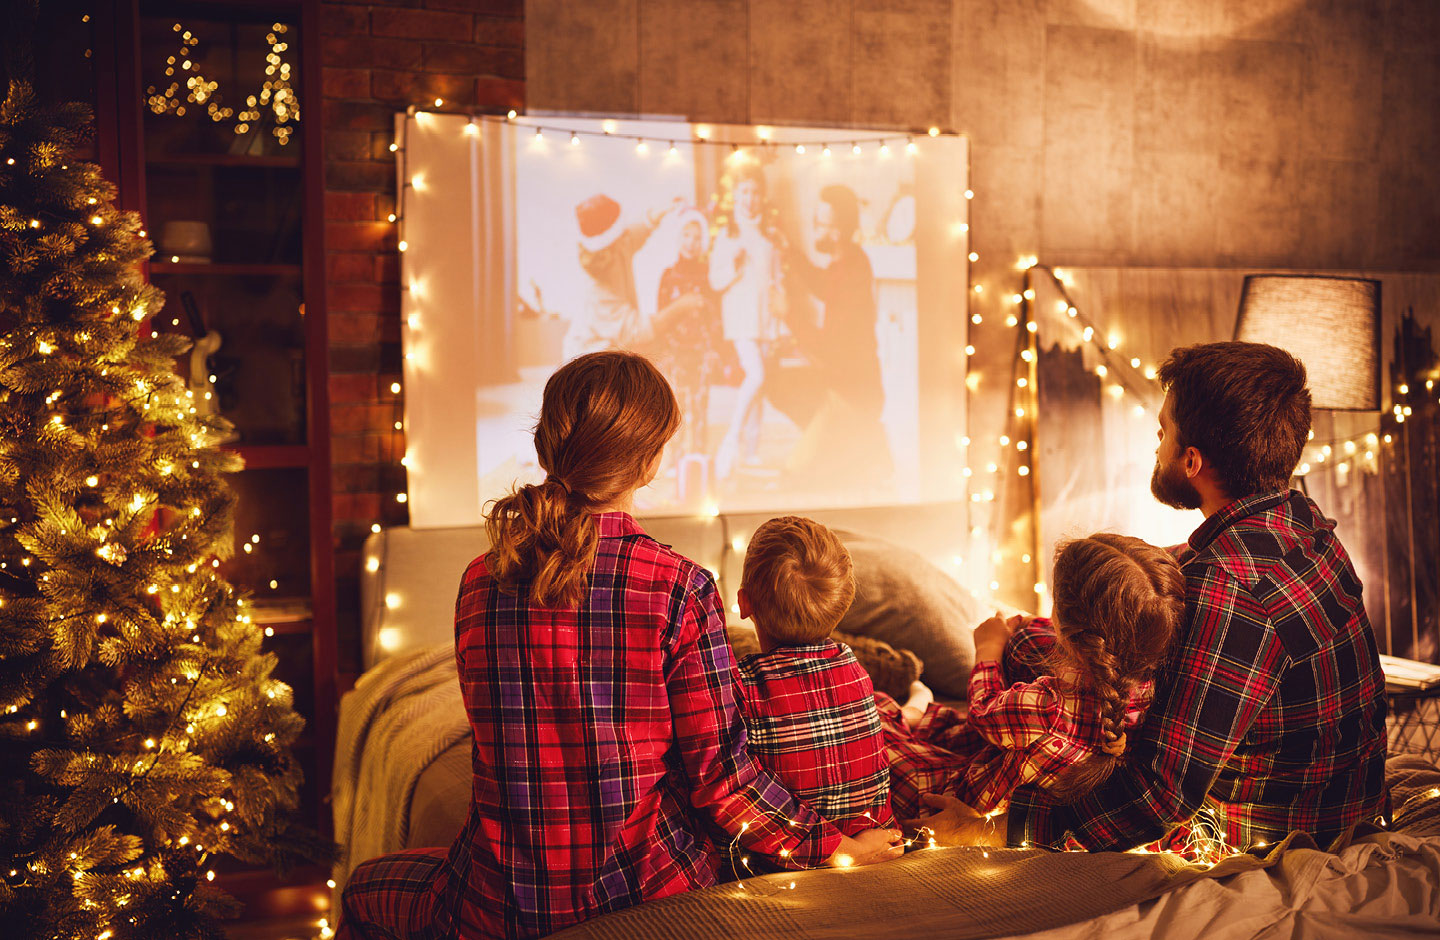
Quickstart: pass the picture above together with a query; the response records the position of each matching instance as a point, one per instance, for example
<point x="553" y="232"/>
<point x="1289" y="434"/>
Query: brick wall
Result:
<point x="379" y="58"/>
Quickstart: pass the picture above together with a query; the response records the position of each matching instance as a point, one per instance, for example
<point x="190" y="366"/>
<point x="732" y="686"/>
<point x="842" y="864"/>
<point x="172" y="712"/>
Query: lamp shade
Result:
<point x="1331" y="324"/>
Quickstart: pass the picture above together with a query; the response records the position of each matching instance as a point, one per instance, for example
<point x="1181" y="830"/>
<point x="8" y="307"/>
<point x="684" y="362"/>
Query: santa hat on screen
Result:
<point x="599" y="219"/>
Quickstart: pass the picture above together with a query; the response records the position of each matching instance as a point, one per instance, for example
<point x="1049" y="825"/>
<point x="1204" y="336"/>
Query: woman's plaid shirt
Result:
<point x="1271" y="712"/>
<point x="810" y="712"/>
<point x="608" y="747"/>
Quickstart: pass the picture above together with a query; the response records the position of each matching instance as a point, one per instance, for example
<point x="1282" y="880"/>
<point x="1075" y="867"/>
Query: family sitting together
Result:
<point x="621" y="755"/>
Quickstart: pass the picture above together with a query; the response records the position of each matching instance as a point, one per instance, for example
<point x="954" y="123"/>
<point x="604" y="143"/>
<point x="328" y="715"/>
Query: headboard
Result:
<point x="409" y="577"/>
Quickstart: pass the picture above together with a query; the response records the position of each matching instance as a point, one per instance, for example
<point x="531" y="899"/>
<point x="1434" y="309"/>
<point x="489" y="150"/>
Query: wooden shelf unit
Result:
<point x="123" y="123"/>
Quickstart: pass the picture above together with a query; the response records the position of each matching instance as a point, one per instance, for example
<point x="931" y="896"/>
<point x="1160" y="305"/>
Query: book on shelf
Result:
<point x="1408" y="673"/>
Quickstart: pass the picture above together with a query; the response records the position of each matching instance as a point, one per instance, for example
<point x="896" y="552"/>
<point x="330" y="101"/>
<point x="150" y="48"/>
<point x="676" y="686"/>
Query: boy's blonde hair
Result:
<point x="798" y="579"/>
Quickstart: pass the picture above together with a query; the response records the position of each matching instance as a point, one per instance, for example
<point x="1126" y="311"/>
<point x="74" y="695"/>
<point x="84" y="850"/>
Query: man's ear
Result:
<point x="1194" y="462"/>
<point x="743" y="601"/>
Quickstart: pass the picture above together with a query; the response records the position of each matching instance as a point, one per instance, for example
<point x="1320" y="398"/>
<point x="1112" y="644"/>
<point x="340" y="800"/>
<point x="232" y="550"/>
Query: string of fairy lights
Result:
<point x="989" y="466"/>
<point x="276" y="94"/>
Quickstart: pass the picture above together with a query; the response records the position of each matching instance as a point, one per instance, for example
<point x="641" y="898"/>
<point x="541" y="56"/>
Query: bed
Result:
<point x="402" y="780"/>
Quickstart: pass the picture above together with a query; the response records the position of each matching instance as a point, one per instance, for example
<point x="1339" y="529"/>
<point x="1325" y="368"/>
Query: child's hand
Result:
<point x="867" y="848"/>
<point x="991" y="637"/>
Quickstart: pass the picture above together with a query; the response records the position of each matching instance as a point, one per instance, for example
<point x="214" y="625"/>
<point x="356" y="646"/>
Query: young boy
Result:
<point x="809" y="707"/>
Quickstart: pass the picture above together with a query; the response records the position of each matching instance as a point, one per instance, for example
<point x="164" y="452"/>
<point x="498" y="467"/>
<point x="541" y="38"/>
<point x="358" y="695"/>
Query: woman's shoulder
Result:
<point x="640" y="555"/>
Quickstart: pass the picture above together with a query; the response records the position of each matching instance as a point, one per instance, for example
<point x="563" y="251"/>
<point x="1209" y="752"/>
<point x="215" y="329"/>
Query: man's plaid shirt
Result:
<point x="1271" y="712"/>
<point x="810" y="712"/>
<point x="608" y="748"/>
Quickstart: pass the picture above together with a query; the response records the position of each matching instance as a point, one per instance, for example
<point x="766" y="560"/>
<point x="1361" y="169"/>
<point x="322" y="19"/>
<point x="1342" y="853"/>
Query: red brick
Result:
<point x="355" y="507"/>
<point x="359" y="236"/>
<point x="360" y="177"/>
<point x="499" y="93"/>
<point x="357" y="478"/>
<point x="387" y="268"/>
<point x="469" y="58"/>
<point x="350" y="266"/>
<point x="421" y="88"/>
<point x="419" y="24"/>
<point x="362" y="298"/>
<point x="354" y="358"/>
<point x="355" y="418"/>
<point x="356" y="387"/>
<point x="338" y="20"/>
<point x="346" y="83"/>
<point x="364" y="52"/>
<point x="354" y="448"/>
<point x="495" y="31"/>
<point x="343" y="144"/>
<point x="348" y="328"/>
<point x="380" y="142"/>
<point x="515" y="8"/>
<point x="350" y="207"/>
<point x="359" y="115"/>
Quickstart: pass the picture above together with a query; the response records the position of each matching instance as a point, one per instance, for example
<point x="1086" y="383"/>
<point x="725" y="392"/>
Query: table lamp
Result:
<point x="1331" y="324"/>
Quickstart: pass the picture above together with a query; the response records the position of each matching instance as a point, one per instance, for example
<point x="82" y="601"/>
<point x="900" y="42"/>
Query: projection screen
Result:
<point x="803" y="290"/>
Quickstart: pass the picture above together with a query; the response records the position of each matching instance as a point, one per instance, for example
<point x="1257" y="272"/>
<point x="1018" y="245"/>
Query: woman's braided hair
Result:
<point x="1119" y="602"/>
<point x="604" y="419"/>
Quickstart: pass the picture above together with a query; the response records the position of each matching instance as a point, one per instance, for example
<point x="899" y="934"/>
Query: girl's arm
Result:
<point x="1012" y="717"/>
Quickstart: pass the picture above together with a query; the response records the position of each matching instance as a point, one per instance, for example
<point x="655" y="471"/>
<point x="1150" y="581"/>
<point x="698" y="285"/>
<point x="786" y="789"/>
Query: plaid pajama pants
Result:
<point x="390" y="898"/>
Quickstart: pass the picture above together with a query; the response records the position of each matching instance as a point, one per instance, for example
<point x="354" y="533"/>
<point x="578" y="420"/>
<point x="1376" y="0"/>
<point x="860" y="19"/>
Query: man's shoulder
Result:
<point x="1274" y="544"/>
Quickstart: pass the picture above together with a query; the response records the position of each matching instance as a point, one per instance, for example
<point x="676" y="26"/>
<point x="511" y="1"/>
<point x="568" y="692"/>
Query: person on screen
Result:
<point x="687" y="350"/>
<point x="742" y="272"/>
<point x="611" y="318"/>
<point x="840" y="340"/>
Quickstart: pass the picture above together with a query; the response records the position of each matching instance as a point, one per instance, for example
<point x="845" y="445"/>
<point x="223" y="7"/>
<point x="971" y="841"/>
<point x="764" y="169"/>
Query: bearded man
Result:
<point x="1271" y="710"/>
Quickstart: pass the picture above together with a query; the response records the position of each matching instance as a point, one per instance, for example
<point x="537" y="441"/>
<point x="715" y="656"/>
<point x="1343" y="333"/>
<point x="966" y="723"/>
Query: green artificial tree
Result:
<point x="141" y="731"/>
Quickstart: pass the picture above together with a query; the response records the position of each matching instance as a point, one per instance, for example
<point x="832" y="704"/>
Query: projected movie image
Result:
<point x="805" y="300"/>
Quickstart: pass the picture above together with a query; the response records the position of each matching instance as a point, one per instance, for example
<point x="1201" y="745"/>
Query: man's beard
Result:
<point x="1170" y="486"/>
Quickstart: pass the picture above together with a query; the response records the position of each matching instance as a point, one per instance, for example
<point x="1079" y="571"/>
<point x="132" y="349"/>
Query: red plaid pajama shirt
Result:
<point x="609" y="756"/>
<point x="1271" y="712"/>
<point x="1013" y="734"/>
<point x="810" y="713"/>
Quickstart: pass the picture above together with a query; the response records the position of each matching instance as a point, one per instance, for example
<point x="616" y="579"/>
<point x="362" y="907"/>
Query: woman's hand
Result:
<point x="867" y="848"/>
<point x="954" y="823"/>
<point x="991" y="637"/>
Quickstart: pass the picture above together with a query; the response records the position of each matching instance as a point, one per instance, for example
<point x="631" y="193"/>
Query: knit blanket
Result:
<point x="400" y="718"/>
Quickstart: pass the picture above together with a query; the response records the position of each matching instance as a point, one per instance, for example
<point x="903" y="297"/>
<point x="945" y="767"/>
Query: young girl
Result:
<point x="1050" y="702"/>
<point x="596" y="675"/>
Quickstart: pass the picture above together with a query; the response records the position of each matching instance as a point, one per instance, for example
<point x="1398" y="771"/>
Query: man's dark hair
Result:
<point x="846" y="206"/>
<point x="1245" y="407"/>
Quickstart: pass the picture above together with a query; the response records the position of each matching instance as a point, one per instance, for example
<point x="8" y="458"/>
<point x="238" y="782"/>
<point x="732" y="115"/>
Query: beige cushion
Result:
<point x="909" y="603"/>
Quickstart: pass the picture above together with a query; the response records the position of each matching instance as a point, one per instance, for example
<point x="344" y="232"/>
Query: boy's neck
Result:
<point x="769" y="643"/>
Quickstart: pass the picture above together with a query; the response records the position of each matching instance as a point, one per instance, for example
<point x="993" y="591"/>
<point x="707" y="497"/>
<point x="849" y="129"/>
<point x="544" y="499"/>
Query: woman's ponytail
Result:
<point x="542" y="535"/>
<point x="604" y="419"/>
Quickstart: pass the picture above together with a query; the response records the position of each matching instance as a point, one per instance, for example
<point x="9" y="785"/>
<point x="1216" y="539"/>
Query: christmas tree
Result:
<point x="141" y="731"/>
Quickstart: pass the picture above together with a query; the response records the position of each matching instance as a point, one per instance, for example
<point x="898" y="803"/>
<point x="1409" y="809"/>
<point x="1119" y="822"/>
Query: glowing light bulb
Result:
<point x="799" y="148"/>
<point x="975" y="256"/>
<point x="510" y="115"/>
<point x="574" y="139"/>
<point x="910" y="146"/>
<point x="855" y="149"/>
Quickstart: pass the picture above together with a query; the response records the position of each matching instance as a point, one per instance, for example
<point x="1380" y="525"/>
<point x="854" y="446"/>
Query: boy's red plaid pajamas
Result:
<point x="1028" y="730"/>
<point x="1271" y="711"/>
<point x="609" y="756"/>
<point x="810" y="713"/>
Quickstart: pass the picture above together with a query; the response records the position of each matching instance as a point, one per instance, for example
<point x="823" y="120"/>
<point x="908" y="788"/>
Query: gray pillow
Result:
<point x="909" y="603"/>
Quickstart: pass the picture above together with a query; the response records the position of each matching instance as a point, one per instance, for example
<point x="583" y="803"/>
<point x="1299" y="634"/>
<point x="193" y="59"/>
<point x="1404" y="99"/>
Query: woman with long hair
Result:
<point x="607" y="745"/>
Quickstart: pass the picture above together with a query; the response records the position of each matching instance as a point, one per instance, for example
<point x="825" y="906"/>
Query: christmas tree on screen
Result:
<point x="141" y="732"/>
